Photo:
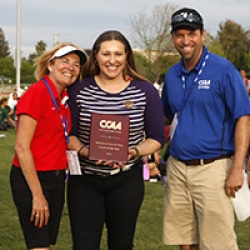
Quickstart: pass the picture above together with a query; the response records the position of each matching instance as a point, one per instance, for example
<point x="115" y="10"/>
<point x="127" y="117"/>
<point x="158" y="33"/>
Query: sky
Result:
<point x="81" y="22"/>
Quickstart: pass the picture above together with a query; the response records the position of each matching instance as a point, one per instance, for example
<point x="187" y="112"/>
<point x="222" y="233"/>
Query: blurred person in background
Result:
<point x="245" y="80"/>
<point x="5" y="120"/>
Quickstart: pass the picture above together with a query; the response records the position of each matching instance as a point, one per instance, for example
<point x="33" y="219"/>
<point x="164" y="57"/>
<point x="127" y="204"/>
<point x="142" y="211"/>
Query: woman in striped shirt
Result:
<point x="108" y="191"/>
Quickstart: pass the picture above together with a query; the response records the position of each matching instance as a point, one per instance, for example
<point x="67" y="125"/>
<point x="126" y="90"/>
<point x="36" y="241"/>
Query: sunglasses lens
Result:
<point x="177" y="19"/>
<point x="185" y="17"/>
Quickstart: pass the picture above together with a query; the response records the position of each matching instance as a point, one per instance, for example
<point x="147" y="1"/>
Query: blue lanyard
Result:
<point x="64" y="121"/>
<point x="188" y="91"/>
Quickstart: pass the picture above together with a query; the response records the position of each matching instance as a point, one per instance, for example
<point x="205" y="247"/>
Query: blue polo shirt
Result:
<point x="211" y="106"/>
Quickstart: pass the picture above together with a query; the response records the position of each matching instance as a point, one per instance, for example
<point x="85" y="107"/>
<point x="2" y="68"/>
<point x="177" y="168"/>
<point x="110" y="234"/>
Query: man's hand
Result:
<point x="234" y="182"/>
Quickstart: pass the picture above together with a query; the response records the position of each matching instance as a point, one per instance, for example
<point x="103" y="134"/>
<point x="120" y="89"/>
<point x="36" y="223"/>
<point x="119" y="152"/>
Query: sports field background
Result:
<point x="149" y="227"/>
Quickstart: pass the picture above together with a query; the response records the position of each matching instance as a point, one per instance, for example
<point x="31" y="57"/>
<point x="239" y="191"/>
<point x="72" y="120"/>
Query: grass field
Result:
<point x="149" y="228"/>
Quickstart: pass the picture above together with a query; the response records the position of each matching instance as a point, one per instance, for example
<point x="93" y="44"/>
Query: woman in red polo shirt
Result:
<point x="37" y="176"/>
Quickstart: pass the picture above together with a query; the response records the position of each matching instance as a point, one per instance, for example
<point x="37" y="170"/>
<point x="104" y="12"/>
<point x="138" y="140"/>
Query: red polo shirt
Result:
<point x="48" y="145"/>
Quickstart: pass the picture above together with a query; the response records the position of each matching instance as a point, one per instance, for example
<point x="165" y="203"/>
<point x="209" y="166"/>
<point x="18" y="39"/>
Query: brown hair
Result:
<point x="91" y="67"/>
<point x="3" y="101"/>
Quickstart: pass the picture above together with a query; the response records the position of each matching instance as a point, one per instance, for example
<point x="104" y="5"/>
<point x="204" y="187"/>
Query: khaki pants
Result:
<point x="196" y="208"/>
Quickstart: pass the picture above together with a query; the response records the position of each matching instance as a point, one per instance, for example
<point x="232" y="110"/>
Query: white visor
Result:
<point x="70" y="49"/>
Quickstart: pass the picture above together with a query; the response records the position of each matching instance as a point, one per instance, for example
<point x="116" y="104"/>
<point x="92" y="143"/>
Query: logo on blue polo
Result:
<point x="204" y="84"/>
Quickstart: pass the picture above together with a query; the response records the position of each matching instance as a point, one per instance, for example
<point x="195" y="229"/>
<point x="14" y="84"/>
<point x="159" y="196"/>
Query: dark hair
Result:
<point x="3" y="100"/>
<point x="91" y="67"/>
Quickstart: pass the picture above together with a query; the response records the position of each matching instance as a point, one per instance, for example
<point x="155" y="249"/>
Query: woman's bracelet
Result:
<point x="137" y="152"/>
<point x="79" y="150"/>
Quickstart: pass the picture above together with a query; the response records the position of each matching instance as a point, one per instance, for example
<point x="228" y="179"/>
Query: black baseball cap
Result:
<point x="186" y="18"/>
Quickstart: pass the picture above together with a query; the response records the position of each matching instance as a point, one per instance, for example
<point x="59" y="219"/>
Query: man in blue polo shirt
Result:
<point x="205" y="101"/>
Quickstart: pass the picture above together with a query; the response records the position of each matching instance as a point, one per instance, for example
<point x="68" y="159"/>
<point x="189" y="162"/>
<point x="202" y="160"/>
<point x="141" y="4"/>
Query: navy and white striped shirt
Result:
<point x="139" y="100"/>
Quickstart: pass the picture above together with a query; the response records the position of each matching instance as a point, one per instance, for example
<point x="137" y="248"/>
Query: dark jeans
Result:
<point x="115" y="200"/>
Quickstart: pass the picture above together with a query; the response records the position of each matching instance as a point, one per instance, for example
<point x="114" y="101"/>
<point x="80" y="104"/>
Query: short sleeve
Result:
<point x="32" y="103"/>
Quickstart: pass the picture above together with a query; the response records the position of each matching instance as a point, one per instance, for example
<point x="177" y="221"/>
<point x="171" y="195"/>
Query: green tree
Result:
<point x="214" y="45"/>
<point x="159" y="66"/>
<point x="4" y="45"/>
<point x="27" y="67"/>
<point x="7" y="68"/>
<point x="152" y="36"/>
<point x="234" y="41"/>
<point x="27" y="72"/>
<point x="40" y="47"/>
<point x="142" y="63"/>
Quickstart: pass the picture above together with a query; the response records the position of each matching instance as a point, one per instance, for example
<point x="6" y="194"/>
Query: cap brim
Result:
<point x="81" y="54"/>
<point x="186" y="25"/>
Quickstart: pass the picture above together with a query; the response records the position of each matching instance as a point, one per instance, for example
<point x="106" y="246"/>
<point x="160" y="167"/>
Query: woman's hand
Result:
<point x="25" y="133"/>
<point x="110" y="163"/>
<point x="133" y="153"/>
<point x="40" y="211"/>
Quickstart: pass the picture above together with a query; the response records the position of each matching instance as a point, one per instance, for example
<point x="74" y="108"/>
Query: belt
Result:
<point x="204" y="161"/>
<point x="51" y="172"/>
